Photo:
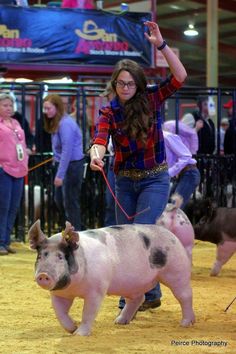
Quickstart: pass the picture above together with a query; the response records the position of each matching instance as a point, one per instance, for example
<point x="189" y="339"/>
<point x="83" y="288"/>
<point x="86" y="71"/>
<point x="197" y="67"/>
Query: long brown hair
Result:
<point x="51" y="124"/>
<point x="137" y="109"/>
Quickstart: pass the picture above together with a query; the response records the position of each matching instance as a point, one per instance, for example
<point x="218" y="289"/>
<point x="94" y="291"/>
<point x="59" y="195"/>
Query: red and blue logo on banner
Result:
<point x="55" y="35"/>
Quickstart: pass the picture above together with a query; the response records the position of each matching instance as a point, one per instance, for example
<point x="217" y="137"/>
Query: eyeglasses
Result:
<point x="122" y="84"/>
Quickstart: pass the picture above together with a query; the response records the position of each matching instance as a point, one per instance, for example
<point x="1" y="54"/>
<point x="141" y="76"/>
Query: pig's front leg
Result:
<point x="223" y="254"/>
<point x="61" y="307"/>
<point x="92" y="303"/>
<point x="130" y="309"/>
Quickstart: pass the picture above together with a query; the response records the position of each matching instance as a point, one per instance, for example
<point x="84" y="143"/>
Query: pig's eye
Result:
<point x="202" y="221"/>
<point x="45" y="254"/>
<point x="60" y="256"/>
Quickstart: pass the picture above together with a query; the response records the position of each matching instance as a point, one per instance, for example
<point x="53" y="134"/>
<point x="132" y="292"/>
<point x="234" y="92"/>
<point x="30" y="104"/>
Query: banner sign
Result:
<point x="66" y="36"/>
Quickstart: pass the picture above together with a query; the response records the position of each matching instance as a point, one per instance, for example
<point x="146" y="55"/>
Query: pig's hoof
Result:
<point x="214" y="272"/>
<point x="215" y="269"/>
<point x="187" y="322"/>
<point x="82" y="331"/>
<point x="120" y="320"/>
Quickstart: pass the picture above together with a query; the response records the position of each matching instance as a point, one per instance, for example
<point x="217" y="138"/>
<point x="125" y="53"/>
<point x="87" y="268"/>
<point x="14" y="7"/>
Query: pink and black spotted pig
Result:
<point x="176" y="221"/>
<point x="125" y="260"/>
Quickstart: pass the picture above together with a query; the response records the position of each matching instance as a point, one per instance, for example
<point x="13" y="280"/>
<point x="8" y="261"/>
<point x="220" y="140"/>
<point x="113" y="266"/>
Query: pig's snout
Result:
<point x="45" y="281"/>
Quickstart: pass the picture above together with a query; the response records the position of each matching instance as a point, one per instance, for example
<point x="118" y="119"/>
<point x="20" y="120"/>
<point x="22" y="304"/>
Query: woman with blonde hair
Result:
<point x="13" y="168"/>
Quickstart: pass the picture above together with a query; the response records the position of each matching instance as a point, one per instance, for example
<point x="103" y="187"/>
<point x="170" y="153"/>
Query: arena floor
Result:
<point x="28" y="324"/>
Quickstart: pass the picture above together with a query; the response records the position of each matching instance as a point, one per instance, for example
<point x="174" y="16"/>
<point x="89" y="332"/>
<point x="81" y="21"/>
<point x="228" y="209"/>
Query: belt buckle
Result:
<point x="138" y="175"/>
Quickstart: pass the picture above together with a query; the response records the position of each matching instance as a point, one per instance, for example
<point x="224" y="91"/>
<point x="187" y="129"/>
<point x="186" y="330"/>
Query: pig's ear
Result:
<point x="70" y="236"/>
<point x="36" y="235"/>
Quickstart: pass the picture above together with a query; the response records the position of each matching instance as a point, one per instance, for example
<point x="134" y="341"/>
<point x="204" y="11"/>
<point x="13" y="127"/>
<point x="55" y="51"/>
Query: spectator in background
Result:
<point x="182" y="166"/>
<point x="224" y="125"/>
<point x="68" y="157"/>
<point x="206" y="135"/>
<point x="81" y="4"/>
<point x="189" y="120"/>
<point x="29" y="137"/>
<point x="229" y="107"/>
<point x="13" y="168"/>
<point x="187" y="134"/>
<point x="230" y="134"/>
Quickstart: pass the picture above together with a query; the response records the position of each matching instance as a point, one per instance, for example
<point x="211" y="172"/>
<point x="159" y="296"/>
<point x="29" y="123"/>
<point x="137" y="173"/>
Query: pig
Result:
<point x="176" y="221"/>
<point x="124" y="260"/>
<point x="218" y="226"/>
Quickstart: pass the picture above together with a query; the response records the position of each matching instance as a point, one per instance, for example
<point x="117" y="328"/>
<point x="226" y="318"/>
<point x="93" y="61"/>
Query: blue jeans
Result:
<point x="67" y="197"/>
<point x="135" y="196"/>
<point x="186" y="184"/>
<point x="110" y="213"/>
<point x="11" y="190"/>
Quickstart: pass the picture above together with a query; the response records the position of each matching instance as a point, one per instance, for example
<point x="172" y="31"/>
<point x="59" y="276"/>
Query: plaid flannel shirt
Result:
<point x="131" y="153"/>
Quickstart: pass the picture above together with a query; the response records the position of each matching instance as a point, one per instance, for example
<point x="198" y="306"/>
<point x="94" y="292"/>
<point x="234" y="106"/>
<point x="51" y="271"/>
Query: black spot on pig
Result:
<point x="70" y="258"/>
<point x="145" y="239"/>
<point x="157" y="258"/>
<point x="62" y="283"/>
<point x="98" y="235"/>
<point x="117" y="227"/>
<point x="39" y="250"/>
<point x="92" y="232"/>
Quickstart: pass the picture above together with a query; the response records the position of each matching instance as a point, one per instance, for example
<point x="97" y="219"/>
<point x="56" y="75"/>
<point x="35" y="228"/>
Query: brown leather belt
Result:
<point x="136" y="174"/>
<point x="187" y="168"/>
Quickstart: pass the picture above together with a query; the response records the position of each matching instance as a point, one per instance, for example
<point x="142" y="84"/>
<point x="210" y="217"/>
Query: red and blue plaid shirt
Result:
<point x="131" y="153"/>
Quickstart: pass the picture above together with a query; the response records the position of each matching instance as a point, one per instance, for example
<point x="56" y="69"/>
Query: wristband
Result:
<point x="162" y="46"/>
<point x="95" y="152"/>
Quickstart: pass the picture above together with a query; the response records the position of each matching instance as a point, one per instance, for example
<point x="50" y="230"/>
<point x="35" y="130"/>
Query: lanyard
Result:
<point x="19" y="146"/>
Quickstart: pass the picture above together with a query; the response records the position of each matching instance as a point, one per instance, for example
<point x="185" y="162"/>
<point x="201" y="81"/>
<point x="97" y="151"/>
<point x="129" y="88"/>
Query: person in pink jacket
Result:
<point x="13" y="168"/>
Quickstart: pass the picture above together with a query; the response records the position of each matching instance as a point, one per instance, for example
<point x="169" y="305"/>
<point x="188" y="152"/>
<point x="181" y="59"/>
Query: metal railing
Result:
<point x="217" y="172"/>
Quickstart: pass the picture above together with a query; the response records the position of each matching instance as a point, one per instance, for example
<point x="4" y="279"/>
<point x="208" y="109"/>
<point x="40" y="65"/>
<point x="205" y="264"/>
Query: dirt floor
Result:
<point x="28" y="323"/>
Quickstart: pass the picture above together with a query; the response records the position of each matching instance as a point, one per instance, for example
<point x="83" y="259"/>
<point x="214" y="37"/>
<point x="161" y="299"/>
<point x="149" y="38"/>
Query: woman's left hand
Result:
<point x="155" y="36"/>
<point x="58" y="182"/>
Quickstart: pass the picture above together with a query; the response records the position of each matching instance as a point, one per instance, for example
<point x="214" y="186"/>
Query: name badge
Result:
<point x="19" y="152"/>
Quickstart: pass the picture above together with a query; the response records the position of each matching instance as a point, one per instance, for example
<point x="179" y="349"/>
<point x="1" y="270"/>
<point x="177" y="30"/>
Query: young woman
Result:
<point x="134" y="122"/>
<point x="68" y="154"/>
<point x="13" y="168"/>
